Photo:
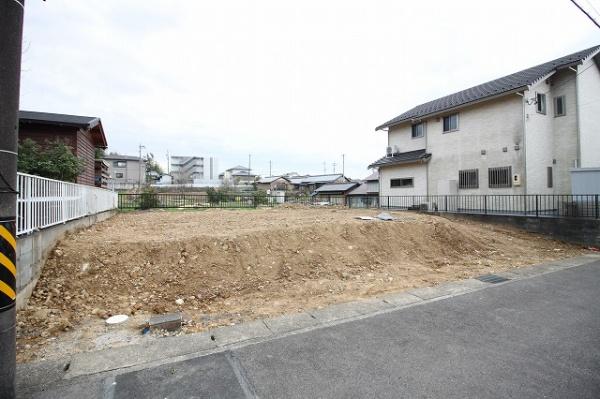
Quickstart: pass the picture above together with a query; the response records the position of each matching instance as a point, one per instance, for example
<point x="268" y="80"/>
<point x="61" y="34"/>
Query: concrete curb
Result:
<point x="110" y="362"/>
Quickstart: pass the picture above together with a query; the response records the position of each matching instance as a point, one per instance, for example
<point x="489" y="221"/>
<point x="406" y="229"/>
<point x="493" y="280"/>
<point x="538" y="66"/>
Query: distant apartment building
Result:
<point x="193" y="169"/>
<point x="125" y="171"/>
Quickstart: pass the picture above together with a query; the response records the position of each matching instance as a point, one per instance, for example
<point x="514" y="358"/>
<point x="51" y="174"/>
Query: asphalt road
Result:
<point x="531" y="338"/>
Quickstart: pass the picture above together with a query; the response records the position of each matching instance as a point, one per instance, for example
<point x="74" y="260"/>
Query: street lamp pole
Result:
<point x="140" y="171"/>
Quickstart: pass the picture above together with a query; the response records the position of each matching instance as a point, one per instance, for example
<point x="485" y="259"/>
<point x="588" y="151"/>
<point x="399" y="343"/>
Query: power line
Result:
<point x="586" y="13"/>
<point x="593" y="7"/>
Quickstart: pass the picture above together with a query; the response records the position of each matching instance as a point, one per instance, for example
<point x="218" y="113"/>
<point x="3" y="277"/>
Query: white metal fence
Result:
<point x="45" y="202"/>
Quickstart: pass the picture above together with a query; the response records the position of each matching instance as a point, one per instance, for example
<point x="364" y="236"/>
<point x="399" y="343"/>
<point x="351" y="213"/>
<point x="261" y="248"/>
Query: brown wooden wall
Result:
<point x="86" y="152"/>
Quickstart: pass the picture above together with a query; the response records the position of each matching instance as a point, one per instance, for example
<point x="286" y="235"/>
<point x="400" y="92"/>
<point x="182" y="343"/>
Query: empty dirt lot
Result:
<point x="227" y="266"/>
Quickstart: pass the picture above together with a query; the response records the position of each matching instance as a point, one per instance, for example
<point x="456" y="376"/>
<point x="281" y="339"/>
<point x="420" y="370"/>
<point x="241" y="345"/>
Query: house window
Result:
<point x="120" y="164"/>
<point x="418" y="130"/>
<point x="540" y="103"/>
<point x="559" y="106"/>
<point x="119" y="175"/>
<point x="549" y="177"/>
<point x="450" y="123"/>
<point x="500" y="177"/>
<point x="406" y="182"/>
<point x="468" y="178"/>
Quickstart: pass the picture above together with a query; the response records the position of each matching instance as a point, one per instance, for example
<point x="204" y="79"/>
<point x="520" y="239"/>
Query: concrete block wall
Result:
<point x="577" y="231"/>
<point x="33" y="250"/>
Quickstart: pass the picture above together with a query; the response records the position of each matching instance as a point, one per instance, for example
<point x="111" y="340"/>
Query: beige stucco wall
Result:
<point x="418" y="171"/>
<point x="490" y="126"/>
<point x="564" y="130"/>
<point x="588" y="85"/>
<point x="539" y="139"/>
<point x="400" y="136"/>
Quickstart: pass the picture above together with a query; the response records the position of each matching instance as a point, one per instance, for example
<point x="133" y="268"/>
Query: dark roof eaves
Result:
<point x="457" y="107"/>
<point x="421" y="159"/>
<point x="525" y="78"/>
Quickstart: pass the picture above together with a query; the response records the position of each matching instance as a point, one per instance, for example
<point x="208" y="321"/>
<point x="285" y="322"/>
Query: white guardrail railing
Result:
<point x="45" y="202"/>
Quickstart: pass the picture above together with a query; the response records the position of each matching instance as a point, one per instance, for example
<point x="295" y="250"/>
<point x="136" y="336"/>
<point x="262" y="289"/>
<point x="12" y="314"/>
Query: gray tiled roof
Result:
<point x="502" y="85"/>
<point x="373" y="176"/>
<point x="270" y="179"/>
<point x="360" y="190"/>
<point x="339" y="187"/>
<point x="400" y="158"/>
<point x="239" y="167"/>
<point x="117" y="157"/>
<point x="315" y="179"/>
<point x="58" y="119"/>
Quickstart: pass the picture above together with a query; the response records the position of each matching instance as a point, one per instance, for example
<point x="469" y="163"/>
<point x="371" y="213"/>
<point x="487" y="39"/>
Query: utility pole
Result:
<point x="140" y="148"/>
<point x="249" y="163"/>
<point x="334" y="168"/>
<point x="343" y="164"/>
<point x="11" y="37"/>
<point x="270" y="169"/>
<point x="168" y="163"/>
<point x="324" y="167"/>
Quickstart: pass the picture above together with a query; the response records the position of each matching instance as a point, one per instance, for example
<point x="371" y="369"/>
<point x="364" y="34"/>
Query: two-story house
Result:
<point x="519" y="134"/>
<point x="125" y="171"/>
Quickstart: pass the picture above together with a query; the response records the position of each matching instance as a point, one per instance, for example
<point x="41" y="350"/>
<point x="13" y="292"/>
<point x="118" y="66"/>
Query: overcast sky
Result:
<point x="298" y="83"/>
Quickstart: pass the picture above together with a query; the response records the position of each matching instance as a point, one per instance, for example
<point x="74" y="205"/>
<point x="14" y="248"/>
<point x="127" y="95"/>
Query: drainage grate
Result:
<point x="492" y="278"/>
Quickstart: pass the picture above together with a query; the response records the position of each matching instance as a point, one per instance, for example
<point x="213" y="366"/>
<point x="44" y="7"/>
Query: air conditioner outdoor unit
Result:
<point x="388" y="151"/>
<point x="516" y="180"/>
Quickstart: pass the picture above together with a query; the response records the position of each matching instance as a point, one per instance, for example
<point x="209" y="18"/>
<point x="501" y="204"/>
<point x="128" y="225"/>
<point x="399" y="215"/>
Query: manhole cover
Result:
<point x="492" y="278"/>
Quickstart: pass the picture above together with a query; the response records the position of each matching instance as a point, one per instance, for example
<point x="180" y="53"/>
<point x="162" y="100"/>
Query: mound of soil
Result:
<point x="224" y="266"/>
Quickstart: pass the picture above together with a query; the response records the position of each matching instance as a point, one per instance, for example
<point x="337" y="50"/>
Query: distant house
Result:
<point x="334" y="193"/>
<point x="238" y="176"/>
<point x="126" y="171"/>
<point x="365" y="195"/>
<point x="278" y="183"/>
<point x="308" y="184"/>
<point x="82" y="133"/>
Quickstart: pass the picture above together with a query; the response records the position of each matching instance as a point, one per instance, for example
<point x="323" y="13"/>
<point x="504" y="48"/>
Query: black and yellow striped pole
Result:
<point x="11" y="36"/>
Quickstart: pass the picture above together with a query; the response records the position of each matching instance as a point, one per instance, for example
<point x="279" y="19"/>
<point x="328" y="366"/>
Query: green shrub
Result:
<point x="148" y="199"/>
<point x="260" y="198"/>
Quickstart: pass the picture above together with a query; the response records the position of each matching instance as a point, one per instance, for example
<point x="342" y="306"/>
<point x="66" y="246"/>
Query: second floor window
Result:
<point x="120" y="164"/>
<point x="418" y="130"/>
<point x="540" y="103"/>
<point x="450" y="123"/>
<point x="119" y="175"/>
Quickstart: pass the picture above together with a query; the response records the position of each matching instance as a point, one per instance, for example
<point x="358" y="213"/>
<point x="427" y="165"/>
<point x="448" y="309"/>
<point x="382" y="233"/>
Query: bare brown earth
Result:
<point x="230" y="266"/>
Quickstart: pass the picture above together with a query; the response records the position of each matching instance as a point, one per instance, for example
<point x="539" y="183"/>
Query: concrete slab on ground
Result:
<point x="131" y="355"/>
